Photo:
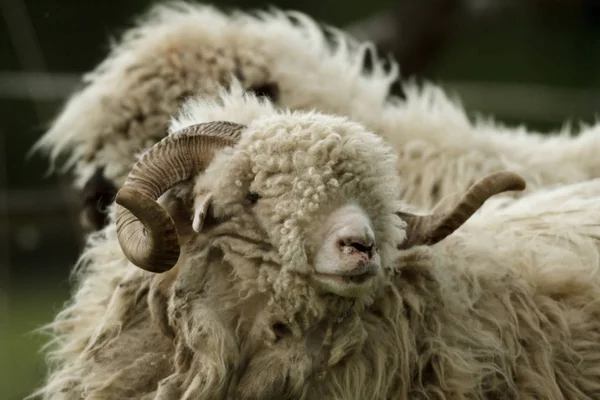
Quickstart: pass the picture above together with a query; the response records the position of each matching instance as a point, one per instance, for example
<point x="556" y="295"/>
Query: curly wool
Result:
<point x="503" y="308"/>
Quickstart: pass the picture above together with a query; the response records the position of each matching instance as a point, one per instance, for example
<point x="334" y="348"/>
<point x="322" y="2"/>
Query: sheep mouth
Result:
<point x="357" y="279"/>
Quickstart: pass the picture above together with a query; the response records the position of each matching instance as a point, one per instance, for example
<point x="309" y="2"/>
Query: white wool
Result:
<point x="267" y="47"/>
<point x="563" y="218"/>
<point x="442" y="152"/>
<point x="232" y="105"/>
<point x="184" y="49"/>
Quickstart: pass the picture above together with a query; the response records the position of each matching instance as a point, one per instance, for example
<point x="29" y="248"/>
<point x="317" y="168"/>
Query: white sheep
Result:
<point x="282" y="265"/>
<point x="180" y="49"/>
<point x="442" y="152"/>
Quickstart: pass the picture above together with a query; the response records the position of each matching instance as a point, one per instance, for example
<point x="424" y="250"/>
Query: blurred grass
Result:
<point x="21" y="364"/>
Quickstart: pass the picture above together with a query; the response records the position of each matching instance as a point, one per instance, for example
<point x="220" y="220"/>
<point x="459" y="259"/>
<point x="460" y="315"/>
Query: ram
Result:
<point x="178" y="50"/>
<point x="276" y="261"/>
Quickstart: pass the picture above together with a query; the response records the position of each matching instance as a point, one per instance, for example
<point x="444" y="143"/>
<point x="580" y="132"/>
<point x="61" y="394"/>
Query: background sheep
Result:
<point x="441" y="152"/>
<point x="505" y="307"/>
<point x="179" y="49"/>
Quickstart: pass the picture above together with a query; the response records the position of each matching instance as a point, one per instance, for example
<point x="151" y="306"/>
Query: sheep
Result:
<point x="177" y="50"/>
<point x="442" y="152"/>
<point x="283" y="167"/>
<point x="277" y="261"/>
<point x="507" y="306"/>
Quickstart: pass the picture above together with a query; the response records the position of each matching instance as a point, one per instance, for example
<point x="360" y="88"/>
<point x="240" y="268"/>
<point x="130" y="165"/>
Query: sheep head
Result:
<point x="301" y="188"/>
<point x="319" y="196"/>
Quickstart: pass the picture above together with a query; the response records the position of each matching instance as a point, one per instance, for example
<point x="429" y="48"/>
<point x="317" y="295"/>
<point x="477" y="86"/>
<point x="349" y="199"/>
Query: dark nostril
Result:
<point x="361" y="247"/>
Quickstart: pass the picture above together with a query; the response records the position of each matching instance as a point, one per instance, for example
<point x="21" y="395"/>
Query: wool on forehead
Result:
<point x="320" y="154"/>
<point x="304" y="139"/>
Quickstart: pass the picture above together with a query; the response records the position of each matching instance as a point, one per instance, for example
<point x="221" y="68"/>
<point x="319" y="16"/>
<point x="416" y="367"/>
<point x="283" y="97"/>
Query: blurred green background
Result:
<point x="531" y="62"/>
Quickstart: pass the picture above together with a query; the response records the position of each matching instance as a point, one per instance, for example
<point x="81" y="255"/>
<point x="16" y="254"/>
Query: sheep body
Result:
<point x="179" y="49"/>
<point x="505" y="307"/>
<point x="441" y="152"/>
<point x="514" y="293"/>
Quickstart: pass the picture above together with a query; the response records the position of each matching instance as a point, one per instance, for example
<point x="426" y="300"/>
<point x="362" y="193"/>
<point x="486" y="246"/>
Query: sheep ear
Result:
<point x="201" y="206"/>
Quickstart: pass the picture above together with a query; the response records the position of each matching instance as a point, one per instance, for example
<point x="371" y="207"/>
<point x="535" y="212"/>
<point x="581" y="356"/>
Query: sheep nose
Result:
<point x="360" y="246"/>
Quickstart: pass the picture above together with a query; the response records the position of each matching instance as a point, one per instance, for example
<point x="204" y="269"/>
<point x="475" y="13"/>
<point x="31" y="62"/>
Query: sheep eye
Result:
<point x="253" y="197"/>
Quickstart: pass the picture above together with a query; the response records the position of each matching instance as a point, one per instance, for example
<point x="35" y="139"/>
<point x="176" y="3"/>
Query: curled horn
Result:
<point x="146" y="232"/>
<point x="430" y="229"/>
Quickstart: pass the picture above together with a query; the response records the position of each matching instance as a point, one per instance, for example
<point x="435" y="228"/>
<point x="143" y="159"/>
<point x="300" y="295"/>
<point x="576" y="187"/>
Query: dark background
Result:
<point x="531" y="62"/>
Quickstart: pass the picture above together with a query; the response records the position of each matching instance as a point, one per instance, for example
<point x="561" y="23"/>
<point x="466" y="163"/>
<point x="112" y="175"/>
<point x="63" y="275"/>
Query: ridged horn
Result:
<point x="430" y="229"/>
<point x="146" y="232"/>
